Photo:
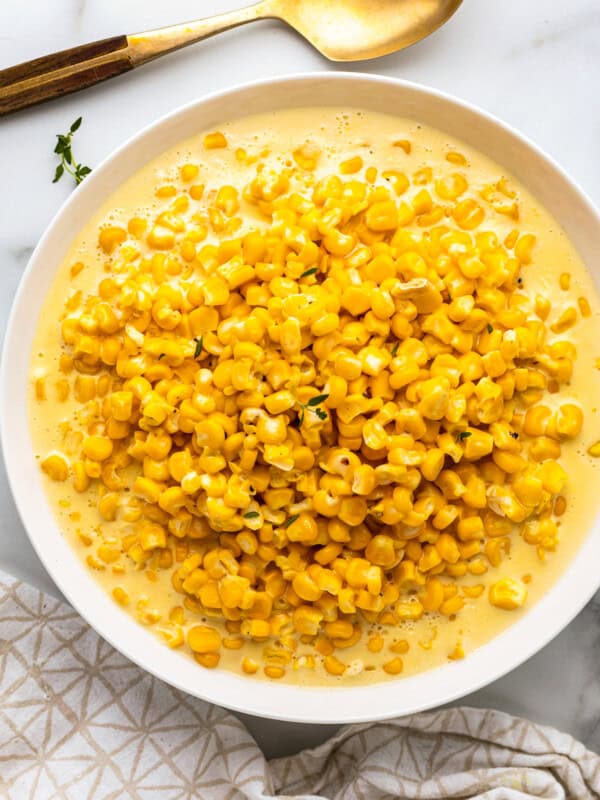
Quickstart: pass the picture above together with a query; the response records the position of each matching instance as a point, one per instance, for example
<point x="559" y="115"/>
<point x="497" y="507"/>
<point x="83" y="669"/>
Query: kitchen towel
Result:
<point x="80" y="722"/>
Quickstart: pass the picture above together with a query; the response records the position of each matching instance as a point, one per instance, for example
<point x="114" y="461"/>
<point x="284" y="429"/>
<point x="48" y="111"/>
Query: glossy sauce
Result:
<point x="340" y="135"/>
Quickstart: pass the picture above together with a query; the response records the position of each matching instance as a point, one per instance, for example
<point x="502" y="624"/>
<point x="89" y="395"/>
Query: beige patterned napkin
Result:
<point x="80" y="722"/>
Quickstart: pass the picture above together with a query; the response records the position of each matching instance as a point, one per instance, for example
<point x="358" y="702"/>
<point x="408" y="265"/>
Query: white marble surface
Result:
<point x="534" y="64"/>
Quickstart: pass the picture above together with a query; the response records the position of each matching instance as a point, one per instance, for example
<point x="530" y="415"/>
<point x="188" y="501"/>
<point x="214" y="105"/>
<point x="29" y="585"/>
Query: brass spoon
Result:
<point x="342" y="30"/>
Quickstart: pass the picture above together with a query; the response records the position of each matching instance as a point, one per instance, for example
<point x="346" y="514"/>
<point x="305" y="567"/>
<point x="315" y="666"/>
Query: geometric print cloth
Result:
<point x="80" y="722"/>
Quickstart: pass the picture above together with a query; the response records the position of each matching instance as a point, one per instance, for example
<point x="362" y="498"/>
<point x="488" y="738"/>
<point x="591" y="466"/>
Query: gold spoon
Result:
<point x="342" y="30"/>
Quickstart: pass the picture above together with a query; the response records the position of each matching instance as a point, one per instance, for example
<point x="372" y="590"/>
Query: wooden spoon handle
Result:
<point x="61" y="73"/>
<point x="65" y="72"/>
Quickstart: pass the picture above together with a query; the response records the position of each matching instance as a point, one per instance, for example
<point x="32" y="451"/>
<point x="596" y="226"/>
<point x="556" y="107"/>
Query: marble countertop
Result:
<point x="535" y="65"/>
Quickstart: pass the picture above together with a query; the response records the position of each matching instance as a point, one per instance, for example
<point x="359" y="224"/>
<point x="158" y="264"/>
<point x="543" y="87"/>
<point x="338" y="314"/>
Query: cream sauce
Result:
<point x="340" y="134"/>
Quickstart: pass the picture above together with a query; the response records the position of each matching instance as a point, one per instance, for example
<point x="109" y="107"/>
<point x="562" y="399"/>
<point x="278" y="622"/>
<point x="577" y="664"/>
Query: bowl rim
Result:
<point x="290" y="702"/>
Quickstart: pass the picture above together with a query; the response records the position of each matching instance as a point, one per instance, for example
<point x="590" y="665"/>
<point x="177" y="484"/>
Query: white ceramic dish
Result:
<point x="316" y="705"/>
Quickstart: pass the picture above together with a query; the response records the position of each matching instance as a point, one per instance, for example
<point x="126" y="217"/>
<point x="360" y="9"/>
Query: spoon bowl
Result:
<point x="355" y="30"/>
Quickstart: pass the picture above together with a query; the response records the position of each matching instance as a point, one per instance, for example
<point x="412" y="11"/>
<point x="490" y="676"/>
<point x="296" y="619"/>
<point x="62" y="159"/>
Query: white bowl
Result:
<point x="541" y="176"/>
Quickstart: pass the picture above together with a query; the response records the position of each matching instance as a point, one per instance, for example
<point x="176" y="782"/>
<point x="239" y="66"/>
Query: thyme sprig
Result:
<point x="315" y="405"/>
<point x="68" y="163"/>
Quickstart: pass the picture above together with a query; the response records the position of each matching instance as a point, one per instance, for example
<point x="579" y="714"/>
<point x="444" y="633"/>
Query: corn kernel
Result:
<point x="56" y="467"/>
<point x="508" y="594"/>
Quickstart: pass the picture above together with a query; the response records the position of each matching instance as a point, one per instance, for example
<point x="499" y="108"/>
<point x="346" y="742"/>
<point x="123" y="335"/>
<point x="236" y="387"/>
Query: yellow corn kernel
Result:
<point x="382" y="216"/>
<point x="209" y="433"/>
<point x="204" y="639"/>
<point x="560" y="506"/>
<point x="473" y="591"/>
<point x="307" y="620"/>
<point x="432" y="464"/>
<point x="447" y="548"/>
<point x="81" y="480"/>
<point x="568" y="421"/>
<point x="394" y="667"/>
<point x="553" y="476"/>
<point x="120" y="595"/>
<point x="306" y="587"/>
<point x="307" y="156"/>
<point x="152" y="536"/>
<point x="451" y="186"/>
<point x="542" y="307"/>
<point x="95" y="563"/>
<point x="110" y="237"/>
<point x="274" y="672"/>
<point x="207" y="660"/>
<point x="197" y="192"/>
<point x="85" y="388"/>
<point x="433" y="596"/>
<point x="256" y="628"/>
<point x="508" y="594"/>
<point x="351" y="165"/>
<point x="409" y="609"/>
<point x="468" y="214"/>
<point x="375" y="643"/>
<point x="457" y="653"/>
<point x="121" y="405"/>
<point x="188" y="172"/>
<point x="250" y="666"/>
<point x="214" y="141"/>
<point x="166" y="190"/>
<point x="56" y="467"/>
<point x="452" y="606"/>
<point x="108" y="554"/>
<point x="401" y="646"/>
<point x="233" y="642"/>
<point x="108" y="504"/>
<point x="536" y="420"/>
<point x="566" y="320"/>
<point x="334" y="666"/>
<point x="594" y="450"/>
<point x="40" y="389"/>
<point x="508" y="462"/>
<point x="470" y="528"/>
<point x="529" y="490"/>
<point x="227" y="200"/>
<point x="76" y="268"/>
<point x="524" y="247"/>
<point x="278" y="402"/>
<point x="97" y="448"/>
<point x="380" y="551"/>
<point x="216" y="291"/>
<point x="477" y="445"/>
<point x="584" y="307"/>
<point x="404" y="144"/>
<point x="63" y="390"/>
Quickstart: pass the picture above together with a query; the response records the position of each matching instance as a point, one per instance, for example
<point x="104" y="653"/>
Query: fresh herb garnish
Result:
<point x="311" y="271"/>
<point x="395" y="349"/>
<point x="67" y="161"/>
<point x="463" y="435"/>
<point x="251" y="514"/>
<point x="489" y="328"/>
<point x="161" y="356"/>
<point x="314" y="404"/>
<point x="198" y="349"/>
<point x="290" y="520"/>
